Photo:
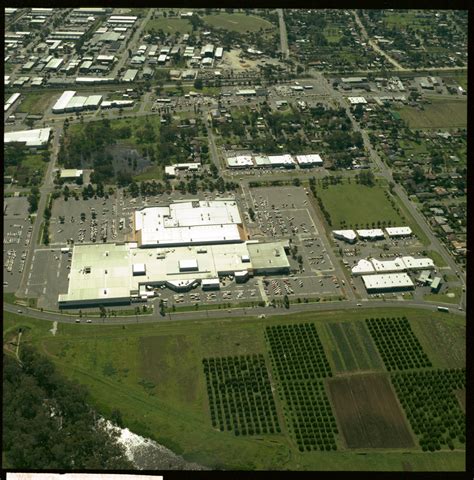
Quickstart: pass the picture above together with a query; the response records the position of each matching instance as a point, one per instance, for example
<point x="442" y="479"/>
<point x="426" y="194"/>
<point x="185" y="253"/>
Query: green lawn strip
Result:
<point x="374" y="358"/>
<point x="443" y="297"/>
<point x="330" y="346"/>
<point x="343" y="345"/>
<point x="437" y="258"/>
<point x="356" y="345"/>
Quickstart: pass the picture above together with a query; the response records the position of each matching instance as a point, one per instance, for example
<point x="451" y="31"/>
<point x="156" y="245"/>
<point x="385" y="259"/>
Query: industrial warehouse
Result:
<point x="178" y="246"/>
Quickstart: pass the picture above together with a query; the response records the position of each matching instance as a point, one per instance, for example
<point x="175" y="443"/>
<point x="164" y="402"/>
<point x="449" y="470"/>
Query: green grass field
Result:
<point x="355" y="204"/>
<point x="452" y="295"/>
<point x="169" y="25"/>
<point x="237" y="22"/>
<point x="438" y="114"/>
<point x="437" y="258"/>
<point x="36" y="103"/>
<point x="153" y="374"/>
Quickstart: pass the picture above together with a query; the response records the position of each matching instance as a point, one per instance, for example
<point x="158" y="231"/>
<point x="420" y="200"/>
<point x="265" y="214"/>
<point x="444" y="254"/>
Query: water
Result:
<point x="147" y="454"/>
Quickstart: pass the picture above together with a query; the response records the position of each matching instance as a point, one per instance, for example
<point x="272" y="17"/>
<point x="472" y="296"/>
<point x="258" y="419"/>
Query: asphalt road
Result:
<point x="46" y="188"/>
<point x="235" y="312"/>
<point x="283" y="35"/>
<point x="374" y="44"/>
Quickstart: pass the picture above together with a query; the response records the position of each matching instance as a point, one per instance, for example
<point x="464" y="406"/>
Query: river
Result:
<point x="147" y="454"/>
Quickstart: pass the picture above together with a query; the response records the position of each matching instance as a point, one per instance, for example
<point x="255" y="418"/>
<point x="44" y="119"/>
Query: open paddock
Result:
<point x="368" y="412"/>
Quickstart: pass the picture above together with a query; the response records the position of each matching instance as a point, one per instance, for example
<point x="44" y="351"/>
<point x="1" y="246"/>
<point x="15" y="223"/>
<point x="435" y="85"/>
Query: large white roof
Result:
<point x="111" y="267"/>
<point x="32" y="138"/>
<point x="398" y="265"/>
<point x="370" y="233"/>
<point x="348" y="235"/>
<point x="418" y="263"/>
<point x="281" y="159"/>
<point x="312" y="159"/>
<point x="362" y="266"/>
<point x="63" y="101"/>
<point x="189" y="222"/>
<point x="387" y="282"/>
<point x="240" y="161"/>
<point x="398" y="231"/>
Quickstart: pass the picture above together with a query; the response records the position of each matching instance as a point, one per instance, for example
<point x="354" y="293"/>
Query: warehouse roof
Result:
<point x="398" y="231"/>
<point x="32" y="138"/>
<point x="357" y="100"/>
<point x="370" y="233"/>
<point x="281" y="159"/>
<point x="348" y="235"/>
<point x="311" y="159"/>
<point x="387" y="281"/>
<point x="362" y="266"/>
<point x="71" y="173"/>
<point x="63" y="101"/>
<point x="240" y="161"/>
<point x="189" y="222"/>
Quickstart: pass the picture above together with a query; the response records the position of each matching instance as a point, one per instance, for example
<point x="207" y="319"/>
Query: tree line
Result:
<point x="47" y="421"/>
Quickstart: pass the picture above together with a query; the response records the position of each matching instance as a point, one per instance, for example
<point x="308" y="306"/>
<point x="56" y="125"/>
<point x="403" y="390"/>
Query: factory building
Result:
<point x="394" y="282"/>
<point x="31" y="138"/>
<point x="306" y="161"/>
<point x="348" y="236"/>
<point x="69" y="102"/>
<point x="398" y="231"/>
<point x="400" y="264"/>
<point x="371" y="234"/>
<point x="189" y="223"/>
<point x="240" y="161"/>
<point x="70" y="174"/>
<point x="171" y="170"/>
<point x="106" y="274"/>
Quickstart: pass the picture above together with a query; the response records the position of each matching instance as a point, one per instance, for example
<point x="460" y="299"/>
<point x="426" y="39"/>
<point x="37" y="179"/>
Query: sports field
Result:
<point x="438" y="114"/>
<point x="237" y="22"/>
<point x="153" y="374"/>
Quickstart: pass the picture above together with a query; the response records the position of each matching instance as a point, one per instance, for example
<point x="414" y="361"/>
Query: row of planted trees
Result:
<point x="240" y="395"/>
<point x="397" y="344"/>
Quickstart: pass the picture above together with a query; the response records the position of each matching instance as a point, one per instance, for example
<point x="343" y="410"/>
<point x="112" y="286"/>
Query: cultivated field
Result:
<point x="351" y="347"/>
<point x="237" y="22"/>
<point x="154" y="375"/>
<point x="439" y="114"/>
<point x="358" y="206"/>
<point x="368" y="412"/>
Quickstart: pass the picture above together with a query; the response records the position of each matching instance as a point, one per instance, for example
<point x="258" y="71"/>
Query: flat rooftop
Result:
<point x="189" y="222"/>
<point x="114" y="272"/>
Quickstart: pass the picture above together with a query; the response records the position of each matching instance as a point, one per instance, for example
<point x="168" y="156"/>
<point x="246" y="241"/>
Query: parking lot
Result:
<point x="16" y="241"/>
<point x="48" y="276"/>
<point x="90" y="221"/>
<point x="285" y="213"/>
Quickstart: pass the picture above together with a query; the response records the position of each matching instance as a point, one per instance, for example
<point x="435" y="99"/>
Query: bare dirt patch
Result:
<point x="368" y="412"/>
